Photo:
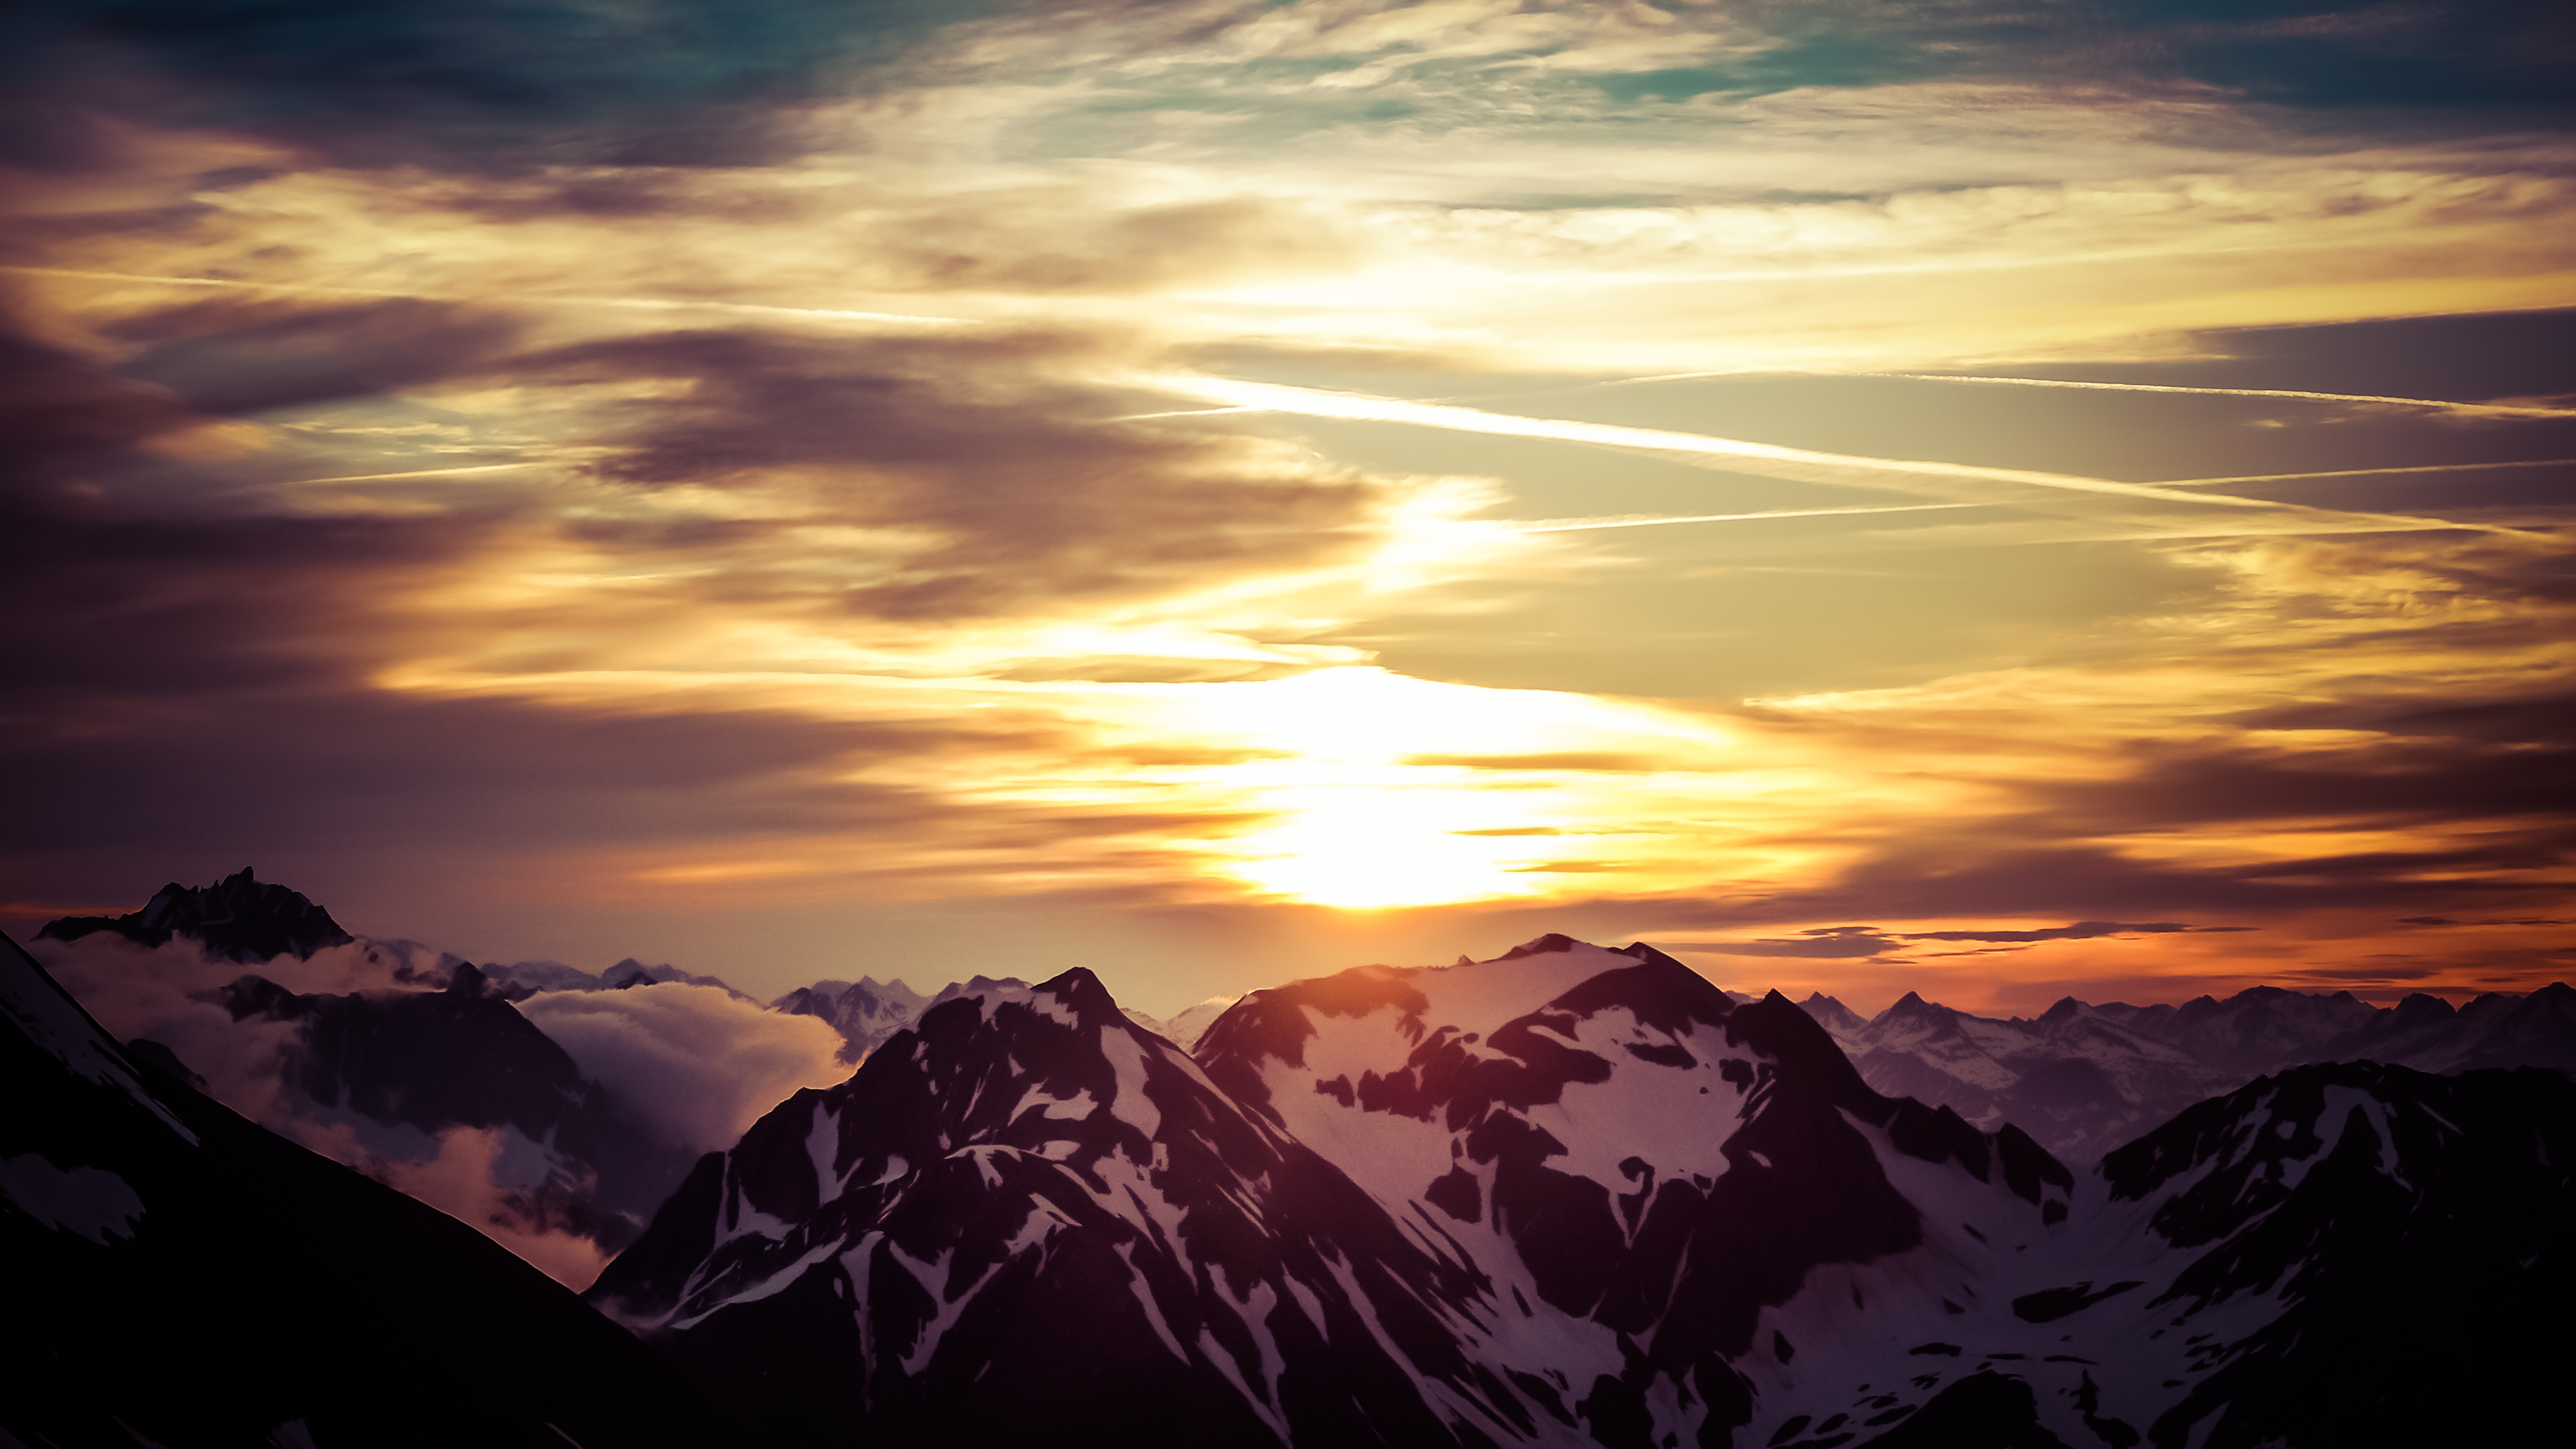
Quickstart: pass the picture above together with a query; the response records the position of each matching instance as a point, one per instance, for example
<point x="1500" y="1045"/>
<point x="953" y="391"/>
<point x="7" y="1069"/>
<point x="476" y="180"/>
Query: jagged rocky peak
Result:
<point x="1831" y="1014"/>
<point x="868" y="1012"/>
<point x="2419" y="1009"/>
<point x="238" y="918"/>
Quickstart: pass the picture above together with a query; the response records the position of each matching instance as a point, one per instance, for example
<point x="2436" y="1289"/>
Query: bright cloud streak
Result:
<point x="1579" y="525"/>
<point x="2496" y="410"/>
<point x="2374" y="472"/>
<point x="1806" y="465"/>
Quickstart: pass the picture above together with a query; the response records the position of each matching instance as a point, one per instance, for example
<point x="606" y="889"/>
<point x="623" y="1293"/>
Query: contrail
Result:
<point x="632" y="304"/>
<point x="1649" y="520"/>
<point x="2369" y="472"/>
<point x="414" y="473"/>
<point x="225" y="282"/>
<point x="1765" y="459"/>
<point x="2441" y="404"/>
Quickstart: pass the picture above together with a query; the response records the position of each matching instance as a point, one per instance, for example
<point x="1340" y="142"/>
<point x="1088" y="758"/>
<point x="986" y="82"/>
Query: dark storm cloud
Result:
<point x="2473" y="357"/>
<point x="1590" y="761"/>
<point x="2079" y="931"/>
<point x="2530" y="722"/>
<point x="477" y="83"/>
<point x="166" y="602"/>
<point x="199" y="686"/>
<point x="1028" y="496"/>
<point x="2488" y="54"/>
<point x="55" y="406"/>
<point x="1828" y="942"/>
<point x="200" y="683"/>
<point x="2483" y="54"/>
<point x="1821" y="943"/>
<point x="276" y="766"/>
<point x="238" y="357"/>
<point x="1045" y="243"/>
<point x="2409" y="778"/>
<point x="1959" y="877"/>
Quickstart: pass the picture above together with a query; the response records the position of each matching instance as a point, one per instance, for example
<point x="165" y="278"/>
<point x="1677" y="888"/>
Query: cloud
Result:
<point x="1822" y="946"/>
<point x="467" y="1178"/>
<point x="694" y="1064"/>
<point x="231" y="355"/>
<point x="2020" y="488"/>
<point x="2080" y="931"/>
<point x="155" y="992"/>
<point x="1829" y="942"/>
<point x="698" y="1060"/>
<point x="989" y="488"/>
<point x="2431" y="404"/>
<point x="478" y="82"/>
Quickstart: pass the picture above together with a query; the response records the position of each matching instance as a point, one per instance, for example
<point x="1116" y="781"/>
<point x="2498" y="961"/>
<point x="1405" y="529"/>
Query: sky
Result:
<point x="2000" y="502"/>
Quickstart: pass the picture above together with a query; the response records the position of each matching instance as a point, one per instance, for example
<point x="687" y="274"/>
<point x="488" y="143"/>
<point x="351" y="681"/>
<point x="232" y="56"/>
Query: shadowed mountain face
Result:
<point x="182" y="1277"/>
<point x="2348" y="1254"/>
<point x="387" y="1062"/>
<point x="2083" y="1079"/>
<point x="237" y="919"/>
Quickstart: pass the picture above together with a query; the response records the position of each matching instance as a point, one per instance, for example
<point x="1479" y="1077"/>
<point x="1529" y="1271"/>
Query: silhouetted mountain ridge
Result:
<point x="237" y="918"/>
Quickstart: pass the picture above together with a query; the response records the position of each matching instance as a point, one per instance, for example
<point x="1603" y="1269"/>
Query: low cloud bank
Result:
<point x="701" y="1063"/>
<point x="681" y="1068"/>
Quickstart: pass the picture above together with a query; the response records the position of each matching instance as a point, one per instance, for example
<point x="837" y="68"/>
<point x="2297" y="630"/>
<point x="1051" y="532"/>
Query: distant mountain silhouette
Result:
<point x="237" y="918"/>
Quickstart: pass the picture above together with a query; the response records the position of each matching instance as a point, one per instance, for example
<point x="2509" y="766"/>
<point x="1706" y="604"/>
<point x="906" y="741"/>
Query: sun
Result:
<point x="1387" y="791"/>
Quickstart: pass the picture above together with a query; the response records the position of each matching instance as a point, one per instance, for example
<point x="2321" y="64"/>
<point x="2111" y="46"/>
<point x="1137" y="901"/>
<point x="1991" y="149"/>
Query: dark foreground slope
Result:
<point x="2415" y="1233"/>
<point x="181" y="1277"/>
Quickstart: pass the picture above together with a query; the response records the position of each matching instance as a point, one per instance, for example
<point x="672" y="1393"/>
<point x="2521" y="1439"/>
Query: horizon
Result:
<point x="1866" y="1009"/>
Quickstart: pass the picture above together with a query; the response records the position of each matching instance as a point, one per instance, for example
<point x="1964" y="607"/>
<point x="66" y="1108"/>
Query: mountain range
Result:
<point x="2083" y="1079"/>
<point x="1570" y="1195"/>
<point x="1579" y="1196"/>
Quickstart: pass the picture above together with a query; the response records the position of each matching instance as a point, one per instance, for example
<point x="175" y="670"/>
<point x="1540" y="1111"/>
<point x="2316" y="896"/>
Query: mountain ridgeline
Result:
<point x="1577" y="1196"/>
<point x="2084" y="1079"/>
<point x="1569" y="1196"/>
